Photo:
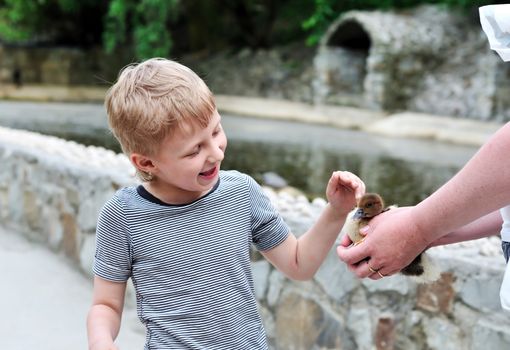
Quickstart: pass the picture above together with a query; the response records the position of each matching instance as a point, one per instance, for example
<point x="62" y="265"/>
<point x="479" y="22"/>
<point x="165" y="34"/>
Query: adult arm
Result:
<point x="300" y="259"/>
<point x="103" y="322"/>
<point x="488" y="225"/>
<point x="479" y="188"/>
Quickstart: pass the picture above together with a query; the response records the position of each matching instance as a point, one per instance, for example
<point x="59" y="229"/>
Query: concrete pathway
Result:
<point x="45" y="300"/>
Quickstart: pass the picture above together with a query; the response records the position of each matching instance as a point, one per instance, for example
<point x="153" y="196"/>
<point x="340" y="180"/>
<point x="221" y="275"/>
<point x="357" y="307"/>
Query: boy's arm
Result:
<point x="300" y="259"/>
<point x="103" y="322"/>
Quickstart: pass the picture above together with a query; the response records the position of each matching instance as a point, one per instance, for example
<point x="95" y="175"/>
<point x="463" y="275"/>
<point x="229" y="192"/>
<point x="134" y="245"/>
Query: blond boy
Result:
<point x="183" y="236"/>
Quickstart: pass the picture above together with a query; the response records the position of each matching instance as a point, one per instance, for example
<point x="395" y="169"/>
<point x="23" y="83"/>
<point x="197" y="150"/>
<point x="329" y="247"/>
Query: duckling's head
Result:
<point x="369" y="205"/>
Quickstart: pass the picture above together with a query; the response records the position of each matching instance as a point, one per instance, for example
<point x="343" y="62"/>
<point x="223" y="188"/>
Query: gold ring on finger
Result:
<point x="371" y="268"/>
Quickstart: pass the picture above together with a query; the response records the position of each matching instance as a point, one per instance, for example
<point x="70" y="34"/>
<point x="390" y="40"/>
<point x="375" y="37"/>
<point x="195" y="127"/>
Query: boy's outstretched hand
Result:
<point x="343" y="190"/>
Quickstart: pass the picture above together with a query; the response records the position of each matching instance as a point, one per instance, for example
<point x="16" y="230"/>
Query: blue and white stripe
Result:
<point x="190" y="264"/>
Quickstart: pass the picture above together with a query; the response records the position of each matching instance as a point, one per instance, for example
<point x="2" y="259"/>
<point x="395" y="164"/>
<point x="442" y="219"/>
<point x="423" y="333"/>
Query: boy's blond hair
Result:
<point x="153" y="98"/>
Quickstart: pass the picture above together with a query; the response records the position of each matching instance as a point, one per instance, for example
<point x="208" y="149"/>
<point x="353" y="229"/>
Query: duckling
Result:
<point x="369" y="205"/>
<point x="422" y="269"/>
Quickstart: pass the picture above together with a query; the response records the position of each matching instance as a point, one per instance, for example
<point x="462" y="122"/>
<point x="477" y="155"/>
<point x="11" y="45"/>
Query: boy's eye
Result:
<point x="194" y="152"/>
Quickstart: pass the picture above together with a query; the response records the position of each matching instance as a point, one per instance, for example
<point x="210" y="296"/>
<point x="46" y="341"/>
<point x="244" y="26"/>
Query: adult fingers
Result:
<point x="345" y="240"/>
<point x="352" y="255"/>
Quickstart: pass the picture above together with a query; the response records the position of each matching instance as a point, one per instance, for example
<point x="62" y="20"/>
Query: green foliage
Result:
<point x="17" y="17"/>
<point x="115" y="24"/>
<point x="58" y="21"/>
<point x="144" y="24"/>
<point x="319" y="20"/>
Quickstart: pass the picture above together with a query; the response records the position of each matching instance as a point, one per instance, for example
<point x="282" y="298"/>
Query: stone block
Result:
<point x="396" y="283"/>
<point x="491" y="334"/>
<point x="276" y="281"/>
<point x="359" y="324"/>
<point x="437" y="297"/>
<point x="385" y="332"/>
<point x="335" y="278"/>
<point x="70" y="239"/>
<point x="32" y="210"/>
<point x="87" y="252"/>
<point x="261" y="271"/>
<point x="442" y="334"/>
<point x="301" y="323"/>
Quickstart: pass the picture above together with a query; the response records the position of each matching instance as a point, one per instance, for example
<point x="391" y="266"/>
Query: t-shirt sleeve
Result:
<point x="113" y="255"/>
<point x="267" y="225"/>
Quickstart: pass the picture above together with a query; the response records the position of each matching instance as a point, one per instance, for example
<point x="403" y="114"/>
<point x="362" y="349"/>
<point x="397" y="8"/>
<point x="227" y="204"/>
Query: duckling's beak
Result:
<point x="359" y="214"/>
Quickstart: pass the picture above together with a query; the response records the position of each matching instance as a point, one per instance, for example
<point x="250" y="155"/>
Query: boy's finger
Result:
<point x="360" y="191"/>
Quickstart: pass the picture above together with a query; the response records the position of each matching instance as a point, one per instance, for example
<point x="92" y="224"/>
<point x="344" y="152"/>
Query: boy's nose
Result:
<point x="216" y="155"/>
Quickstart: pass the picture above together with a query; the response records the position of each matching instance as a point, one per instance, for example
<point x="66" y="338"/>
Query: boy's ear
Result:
<point x="142" y="162"/>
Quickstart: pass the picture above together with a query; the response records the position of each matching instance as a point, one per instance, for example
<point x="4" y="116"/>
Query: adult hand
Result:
<point x="392" y="242"/>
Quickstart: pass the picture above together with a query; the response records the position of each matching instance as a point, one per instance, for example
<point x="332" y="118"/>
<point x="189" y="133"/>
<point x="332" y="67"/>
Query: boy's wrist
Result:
<point x="335" y="213"/>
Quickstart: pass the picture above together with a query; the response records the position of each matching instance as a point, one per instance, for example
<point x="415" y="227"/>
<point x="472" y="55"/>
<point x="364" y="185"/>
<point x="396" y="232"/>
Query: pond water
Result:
<point x="403" y="170"/>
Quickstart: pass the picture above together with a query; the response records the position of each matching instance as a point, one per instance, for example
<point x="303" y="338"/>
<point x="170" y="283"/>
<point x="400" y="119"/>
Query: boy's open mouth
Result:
<point x="209" y="172"/>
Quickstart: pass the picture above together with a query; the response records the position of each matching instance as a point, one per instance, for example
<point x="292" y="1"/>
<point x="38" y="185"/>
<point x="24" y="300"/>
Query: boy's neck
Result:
<point x="172" y="195"/>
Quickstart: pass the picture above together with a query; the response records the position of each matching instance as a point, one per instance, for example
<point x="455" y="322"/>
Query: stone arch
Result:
<point x="350" y="35"/>
<point x="376" y="59"/>
<point x="350" y="43"/>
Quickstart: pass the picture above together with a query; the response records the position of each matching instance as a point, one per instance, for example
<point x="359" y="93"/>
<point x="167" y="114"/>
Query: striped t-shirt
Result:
<point x="190" y="264"/>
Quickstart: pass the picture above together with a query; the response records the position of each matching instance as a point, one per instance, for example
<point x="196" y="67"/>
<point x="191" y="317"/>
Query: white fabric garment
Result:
<point x="505" y="228"/>
<point x="495" y="20"/>
<point x="504" y="292"/>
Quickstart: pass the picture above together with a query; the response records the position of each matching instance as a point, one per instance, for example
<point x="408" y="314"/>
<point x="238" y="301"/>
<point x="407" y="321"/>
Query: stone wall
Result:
<point x="52" y="190"/>
<point x="59" y="65"/>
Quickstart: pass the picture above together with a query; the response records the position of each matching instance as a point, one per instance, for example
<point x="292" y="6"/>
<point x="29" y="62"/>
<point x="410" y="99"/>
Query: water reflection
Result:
<point x="399" y="181"/>
<point x="404" y="171"/>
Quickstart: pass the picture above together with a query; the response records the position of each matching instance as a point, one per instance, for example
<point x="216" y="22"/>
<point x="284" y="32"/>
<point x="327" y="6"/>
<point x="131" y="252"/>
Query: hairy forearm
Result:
<point x="103" y="324"/>
<point x="481" y="187"/>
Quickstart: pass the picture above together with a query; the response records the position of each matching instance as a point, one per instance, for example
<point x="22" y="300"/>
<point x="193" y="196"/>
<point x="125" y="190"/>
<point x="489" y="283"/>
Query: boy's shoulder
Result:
<point x="122" y="195"/>
<point x="235" y="177"/>
<point x="126" y="192"/>
<point x="232" y="175"/>
<point x="233" y="181"/>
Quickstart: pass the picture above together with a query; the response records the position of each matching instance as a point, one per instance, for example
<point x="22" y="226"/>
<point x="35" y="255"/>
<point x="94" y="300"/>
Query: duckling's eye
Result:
<point x="369" y="205"/>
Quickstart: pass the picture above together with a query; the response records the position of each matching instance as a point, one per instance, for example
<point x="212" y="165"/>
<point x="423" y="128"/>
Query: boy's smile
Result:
<point x="209" y="174"/>
<point x="188" y="163"/>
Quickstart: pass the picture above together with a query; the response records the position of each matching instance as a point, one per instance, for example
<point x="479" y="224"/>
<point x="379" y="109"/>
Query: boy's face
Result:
<point x="188" y="163"/>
